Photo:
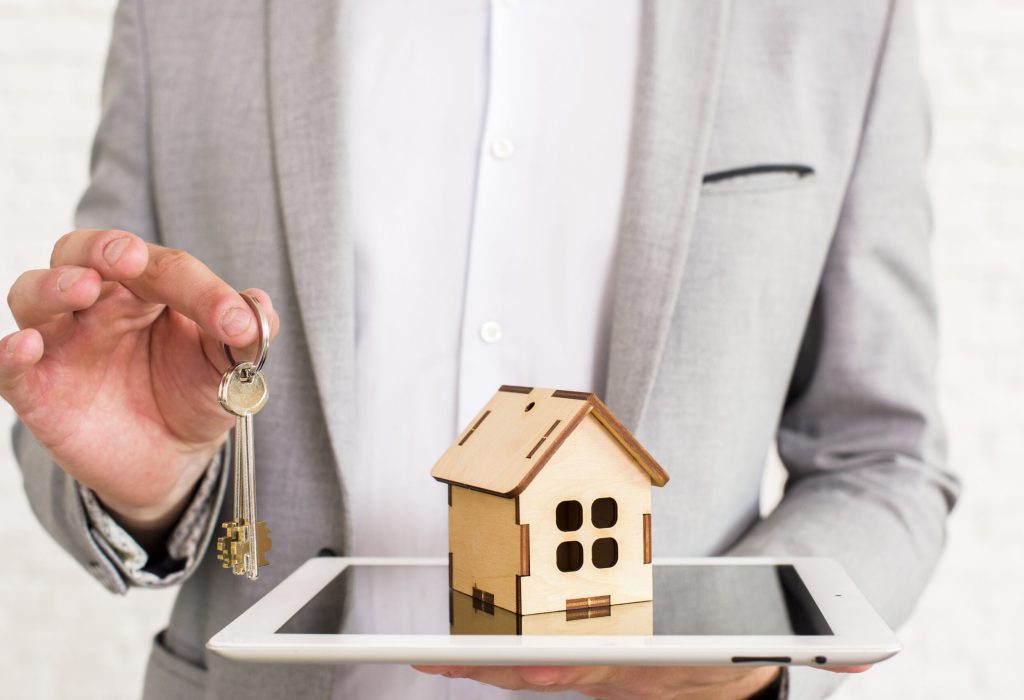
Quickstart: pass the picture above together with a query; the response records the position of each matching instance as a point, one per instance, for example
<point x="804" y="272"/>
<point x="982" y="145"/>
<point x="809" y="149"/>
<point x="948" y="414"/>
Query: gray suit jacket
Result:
<point x="748" y="309"/>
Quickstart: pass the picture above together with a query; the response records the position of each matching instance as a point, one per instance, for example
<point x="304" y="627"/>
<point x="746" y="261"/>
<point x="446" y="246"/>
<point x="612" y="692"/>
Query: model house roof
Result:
<point x="518" y="431"/>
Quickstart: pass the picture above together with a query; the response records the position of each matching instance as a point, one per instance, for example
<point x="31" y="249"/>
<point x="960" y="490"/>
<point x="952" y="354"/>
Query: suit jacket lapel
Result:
<point x="304" y="69"/>
<point x="682" y="45"/>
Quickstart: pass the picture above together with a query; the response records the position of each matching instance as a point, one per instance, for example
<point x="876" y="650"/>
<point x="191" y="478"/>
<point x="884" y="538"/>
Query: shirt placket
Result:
<point x="491" y="334"/>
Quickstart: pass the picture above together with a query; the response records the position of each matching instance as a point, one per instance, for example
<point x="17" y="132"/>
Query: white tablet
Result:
<point x="712" y="611"/>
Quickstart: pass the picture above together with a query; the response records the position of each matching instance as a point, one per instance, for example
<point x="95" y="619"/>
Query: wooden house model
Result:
<point x="549" y="504"/>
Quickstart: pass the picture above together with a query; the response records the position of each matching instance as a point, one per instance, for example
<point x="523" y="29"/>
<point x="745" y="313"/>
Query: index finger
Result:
<point x="181" y="281"/>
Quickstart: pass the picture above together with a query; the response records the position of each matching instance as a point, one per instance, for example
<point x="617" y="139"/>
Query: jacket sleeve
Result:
<point x="860" y="435"/>
<point x="118" y="196"/>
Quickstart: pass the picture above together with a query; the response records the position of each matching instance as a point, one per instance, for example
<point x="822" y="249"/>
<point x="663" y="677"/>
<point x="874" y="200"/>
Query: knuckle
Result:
<point x="207" y="301"/>
<point x="170" y="261"/>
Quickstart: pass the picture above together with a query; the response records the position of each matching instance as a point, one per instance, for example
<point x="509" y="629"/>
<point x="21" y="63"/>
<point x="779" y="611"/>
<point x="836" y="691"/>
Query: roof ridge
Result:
<point x="571" y="415"/>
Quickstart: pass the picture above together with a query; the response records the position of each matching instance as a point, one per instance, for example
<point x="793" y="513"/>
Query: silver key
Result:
<point x="243" y="392"/>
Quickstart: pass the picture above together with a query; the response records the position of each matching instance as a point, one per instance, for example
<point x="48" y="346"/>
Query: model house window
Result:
<point x="605" y="553"/>
<point x="569" y="556"/>
<point x="569" y="517"/>
<point x="604" y="512"/>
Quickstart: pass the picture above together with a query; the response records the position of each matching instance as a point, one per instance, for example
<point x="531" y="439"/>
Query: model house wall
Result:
<point x="484" y="546"/>
<point x="589" y="468"/>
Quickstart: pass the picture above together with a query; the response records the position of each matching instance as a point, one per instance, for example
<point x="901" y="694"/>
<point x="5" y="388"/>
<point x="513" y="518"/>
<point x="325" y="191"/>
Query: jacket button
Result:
<point x="327" y="552"/>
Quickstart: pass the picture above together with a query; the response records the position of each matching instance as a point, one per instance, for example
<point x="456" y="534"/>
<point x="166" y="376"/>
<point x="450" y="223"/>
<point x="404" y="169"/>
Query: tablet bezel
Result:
<point x="859" y="636"/>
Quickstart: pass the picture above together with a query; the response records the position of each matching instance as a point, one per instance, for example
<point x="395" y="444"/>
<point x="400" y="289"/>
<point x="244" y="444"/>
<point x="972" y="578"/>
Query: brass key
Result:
<point x="243" y="392"/>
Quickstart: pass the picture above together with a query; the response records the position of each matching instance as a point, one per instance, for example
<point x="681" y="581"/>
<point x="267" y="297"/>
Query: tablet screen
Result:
<point x="688" y="600"/>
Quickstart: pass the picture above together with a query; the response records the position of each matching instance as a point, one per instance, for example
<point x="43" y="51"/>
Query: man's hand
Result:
<point x="621" y="682"/>
<point x="116" y="366"/>
<point x="628" y="682"/>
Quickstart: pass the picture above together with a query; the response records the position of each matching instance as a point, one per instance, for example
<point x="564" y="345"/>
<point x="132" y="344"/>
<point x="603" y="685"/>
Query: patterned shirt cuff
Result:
<point x="184" y="543"/>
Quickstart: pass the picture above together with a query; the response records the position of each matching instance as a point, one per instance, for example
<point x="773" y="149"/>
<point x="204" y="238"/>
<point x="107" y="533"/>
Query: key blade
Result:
<point x="224" y="552"/>
<point x="263" y="543"/>
<point x="239" y="553"/>
<point x="227" y="545"/>
<point x="233" y="546"/>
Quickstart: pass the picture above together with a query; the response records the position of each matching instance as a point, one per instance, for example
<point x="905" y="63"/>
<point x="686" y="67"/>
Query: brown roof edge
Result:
<point x="579" y="395"/>
<point x="515" y="389"/>
<point x="461" y="485"/>
<point x="659" y="477"/>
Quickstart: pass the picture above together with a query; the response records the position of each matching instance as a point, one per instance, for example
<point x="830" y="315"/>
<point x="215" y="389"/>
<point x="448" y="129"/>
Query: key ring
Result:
<point x="264" y="337"/>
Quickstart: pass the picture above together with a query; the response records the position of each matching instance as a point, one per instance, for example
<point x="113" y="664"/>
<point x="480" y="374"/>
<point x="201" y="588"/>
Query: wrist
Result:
<point x="149" y="521"/>
<point x="758" y="683"/>
<point x="761" y="684"/>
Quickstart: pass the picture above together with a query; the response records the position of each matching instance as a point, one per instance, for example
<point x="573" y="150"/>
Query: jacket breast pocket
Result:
<point x="760" y="177"/>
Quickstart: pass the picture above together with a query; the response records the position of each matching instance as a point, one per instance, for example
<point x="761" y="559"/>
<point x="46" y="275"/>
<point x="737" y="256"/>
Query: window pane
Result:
<point x="605" y="553"/>
<point x="569" y="516"/>
<point x="604" y="512"/>
<point x="569" y="556"/>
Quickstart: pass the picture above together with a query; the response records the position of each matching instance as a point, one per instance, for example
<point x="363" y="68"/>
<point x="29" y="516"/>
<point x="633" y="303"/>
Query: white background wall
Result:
<point x="62" y="636"/>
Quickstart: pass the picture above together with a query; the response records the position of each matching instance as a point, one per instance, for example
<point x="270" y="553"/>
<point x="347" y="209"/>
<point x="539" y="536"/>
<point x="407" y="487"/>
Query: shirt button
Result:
<point x="502" y="149"/>
<point x="490" y="332"/>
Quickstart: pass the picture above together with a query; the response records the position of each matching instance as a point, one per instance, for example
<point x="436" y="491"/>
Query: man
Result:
<point x="711" y="213"/>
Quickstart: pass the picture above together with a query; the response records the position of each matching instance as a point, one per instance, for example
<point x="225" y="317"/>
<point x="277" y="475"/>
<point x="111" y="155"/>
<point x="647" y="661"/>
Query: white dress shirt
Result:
<point x="488" y="146"/>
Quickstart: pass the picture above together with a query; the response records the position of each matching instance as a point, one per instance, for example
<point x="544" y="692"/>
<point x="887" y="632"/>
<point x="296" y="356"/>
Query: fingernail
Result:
<point x="68" y="278"/>
<point x="12" y="343"/>
<point x="113" y="251"/>
<point x="235" y="321"/>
